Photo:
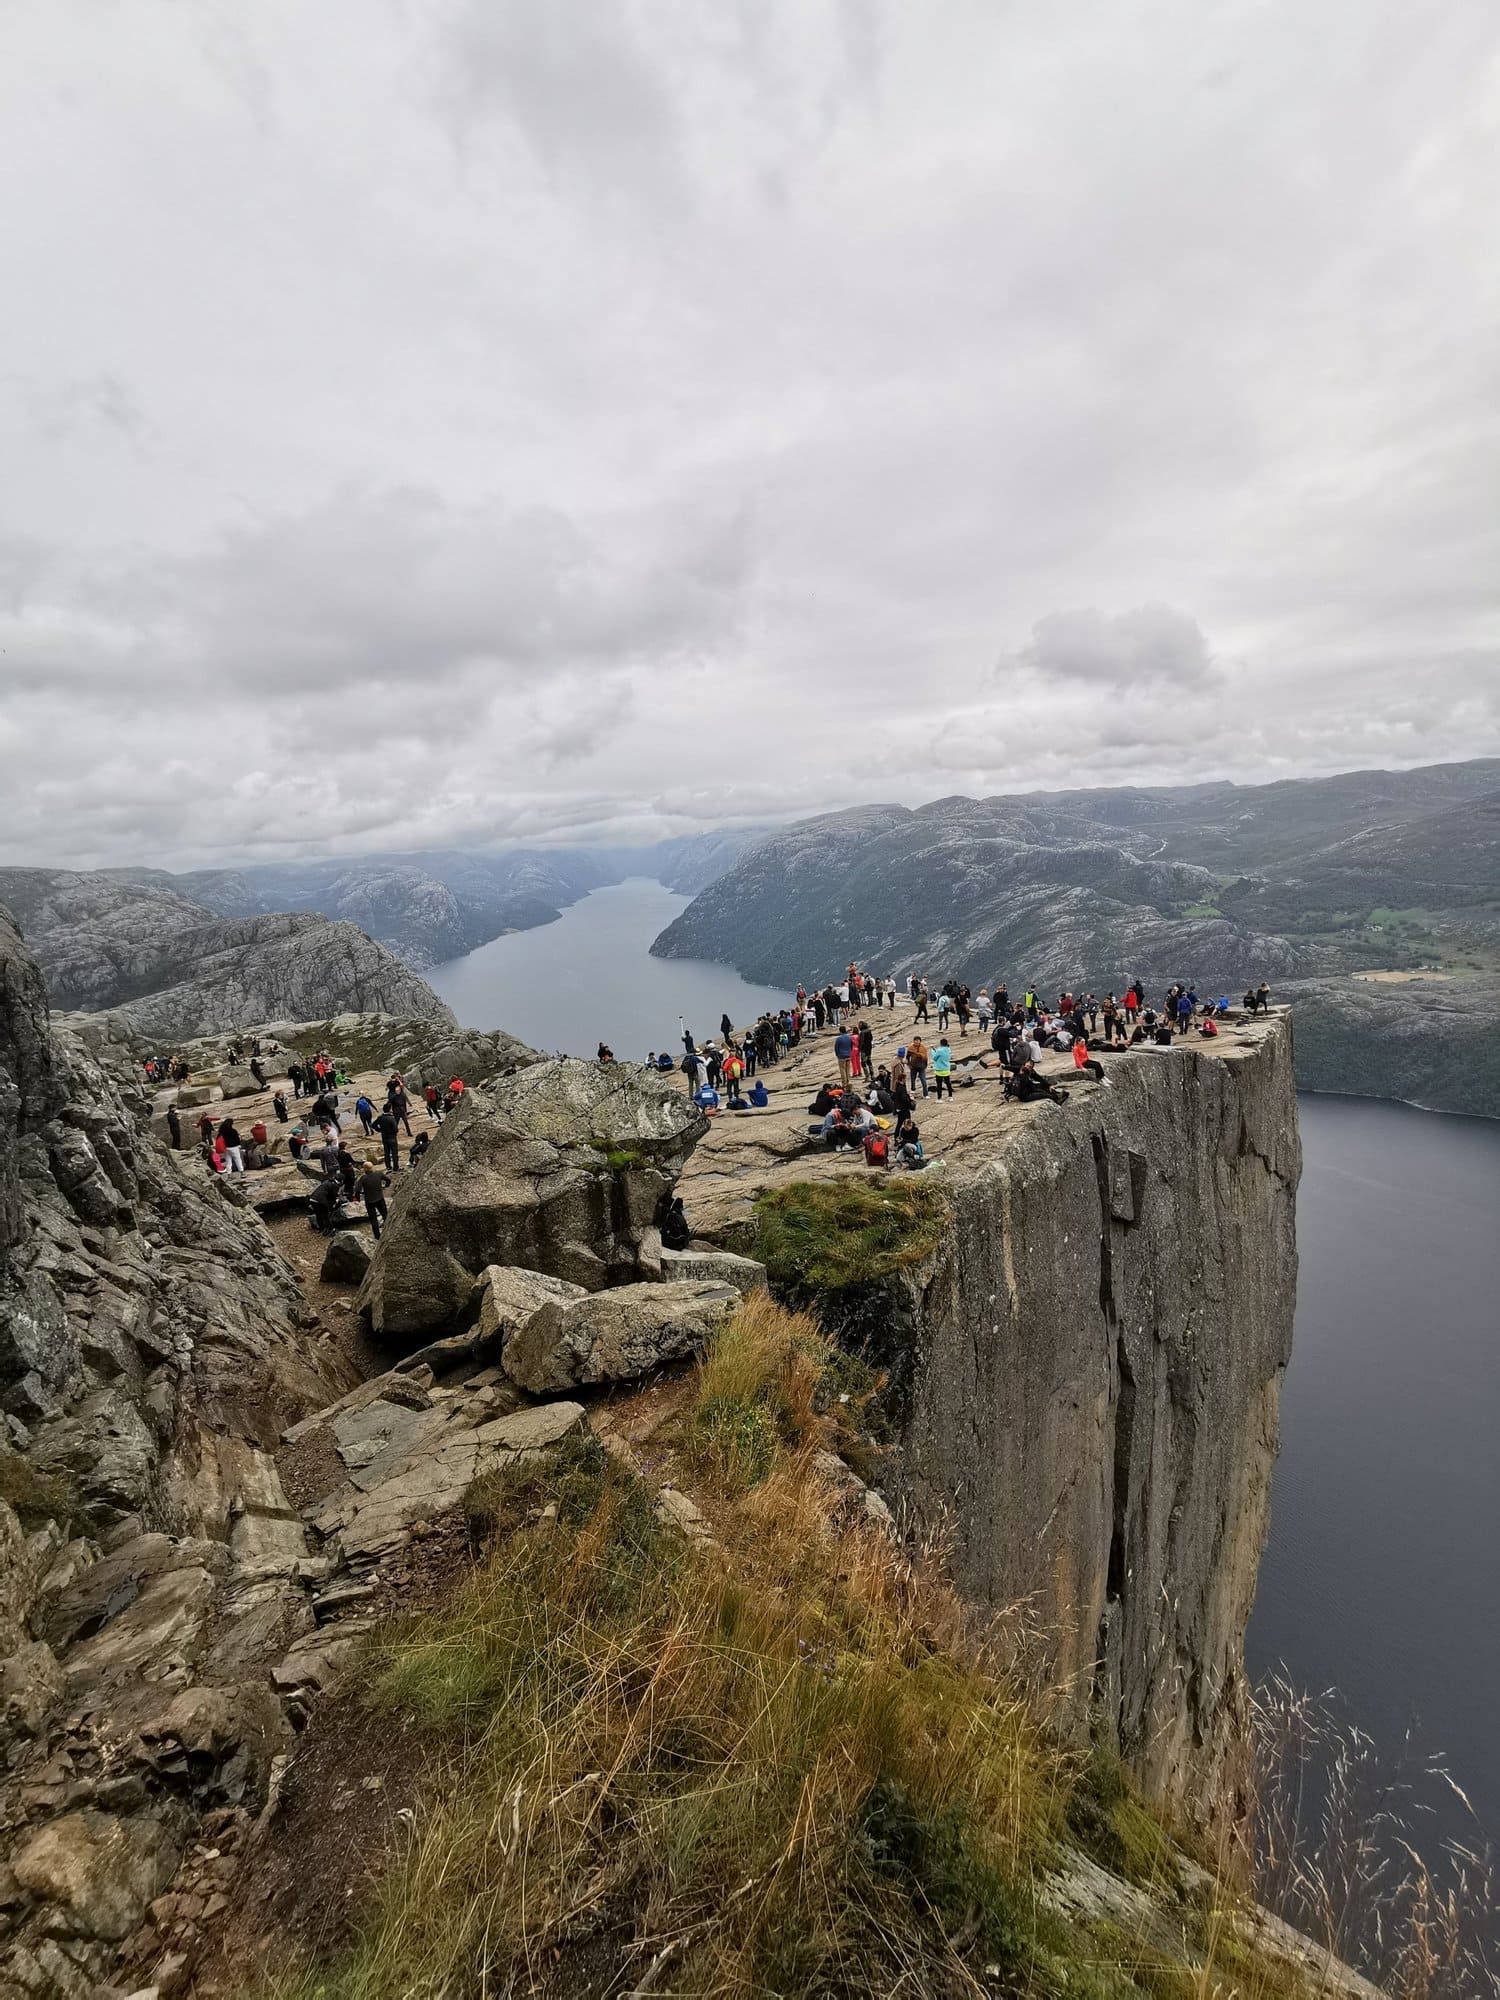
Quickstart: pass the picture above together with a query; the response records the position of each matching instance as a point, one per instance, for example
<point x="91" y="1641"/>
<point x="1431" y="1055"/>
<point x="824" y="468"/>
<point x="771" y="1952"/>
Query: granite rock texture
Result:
<point x="559" y="1167"/>
<point x="131" y="943"/>
<point x="1085" y="1379"/>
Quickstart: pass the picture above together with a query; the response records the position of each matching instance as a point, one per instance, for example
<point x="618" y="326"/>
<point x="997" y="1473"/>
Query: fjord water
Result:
<point x="590" y="977"/>
<point x="1382" y="1576"/>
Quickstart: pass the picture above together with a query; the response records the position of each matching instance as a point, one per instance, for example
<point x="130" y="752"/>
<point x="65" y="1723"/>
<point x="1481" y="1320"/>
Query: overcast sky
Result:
<point x="452" y="421"/>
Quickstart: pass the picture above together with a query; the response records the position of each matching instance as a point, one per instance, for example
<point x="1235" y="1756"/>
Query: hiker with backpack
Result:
<point x="916" y="1062"/>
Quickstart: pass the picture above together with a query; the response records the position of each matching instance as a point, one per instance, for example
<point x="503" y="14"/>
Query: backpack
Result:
<point x="877" y="1149"/>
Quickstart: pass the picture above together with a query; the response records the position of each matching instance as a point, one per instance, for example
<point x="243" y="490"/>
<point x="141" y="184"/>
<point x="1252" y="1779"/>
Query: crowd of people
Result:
<point x="873" y="1106"/>
<point x="317" y="1134"/>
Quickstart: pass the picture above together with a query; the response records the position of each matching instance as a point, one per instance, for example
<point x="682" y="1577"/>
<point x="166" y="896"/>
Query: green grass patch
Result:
<point x="1107" y="1818"/>
<point x="828" y="1235"/>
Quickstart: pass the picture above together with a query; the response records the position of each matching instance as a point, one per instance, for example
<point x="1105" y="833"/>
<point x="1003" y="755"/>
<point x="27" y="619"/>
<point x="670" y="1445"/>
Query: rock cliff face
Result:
<point x="1085" y="1373"/>
<point x="1088" y="1376"/>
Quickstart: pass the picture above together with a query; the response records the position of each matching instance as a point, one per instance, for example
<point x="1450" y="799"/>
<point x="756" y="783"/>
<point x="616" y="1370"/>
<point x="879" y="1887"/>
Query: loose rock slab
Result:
<point x="616" y="1336"/>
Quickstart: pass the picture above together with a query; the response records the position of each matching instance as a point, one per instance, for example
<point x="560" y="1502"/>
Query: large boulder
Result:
<point x="559" y="1168"/>
<point x="616" y="1336"/>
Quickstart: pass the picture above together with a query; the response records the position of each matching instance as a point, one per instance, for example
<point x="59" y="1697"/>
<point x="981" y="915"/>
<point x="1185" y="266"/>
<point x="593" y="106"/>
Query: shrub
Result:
<point x="37" y="1496"/>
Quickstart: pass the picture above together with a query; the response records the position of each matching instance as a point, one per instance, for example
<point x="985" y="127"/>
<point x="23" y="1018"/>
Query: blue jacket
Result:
<point x="843" y="1046"/>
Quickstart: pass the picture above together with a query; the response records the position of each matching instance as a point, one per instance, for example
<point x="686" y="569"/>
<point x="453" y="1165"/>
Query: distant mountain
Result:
<point x="1307" y="880"/>
<point x="128" y="942"/>
<point x="436" y="906"/>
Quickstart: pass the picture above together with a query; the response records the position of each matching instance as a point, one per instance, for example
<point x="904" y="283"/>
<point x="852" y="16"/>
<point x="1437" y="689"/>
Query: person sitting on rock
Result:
<point x="675" y="1233"/>
<point x="419" y="1147"/>
<point x="1208" y="1025"/>
<point x="1082" y="1060"/>
<point x="606" y="1054"/>
<point x="760" y="1097"/>
<point x="323" y="1205"/>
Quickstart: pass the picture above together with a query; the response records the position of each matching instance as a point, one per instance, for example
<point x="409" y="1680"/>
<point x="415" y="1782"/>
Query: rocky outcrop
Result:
<point x="618" y="1335"/>
<point x="152" y="1344"/>
<point x="1084" y="1372"/>
<point x="271" y="968"/>
<point x="559" y="1168"/>
<point x="167" y="967"/>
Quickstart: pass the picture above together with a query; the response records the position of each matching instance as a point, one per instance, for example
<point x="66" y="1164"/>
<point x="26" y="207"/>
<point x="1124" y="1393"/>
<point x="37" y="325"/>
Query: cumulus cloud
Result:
<point x="488" y="422"/>
<point x="1153" y="642"/>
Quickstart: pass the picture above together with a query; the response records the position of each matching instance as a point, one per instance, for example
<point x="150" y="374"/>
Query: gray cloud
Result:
<point x="483" y="421"/>
<point x="1151" y="643"/>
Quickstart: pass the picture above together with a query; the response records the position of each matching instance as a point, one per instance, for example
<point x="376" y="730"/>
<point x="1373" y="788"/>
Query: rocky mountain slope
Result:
<point x="521" y="1655"/>
<point x="127" y="942"/>
<point x="1312" y="881"/>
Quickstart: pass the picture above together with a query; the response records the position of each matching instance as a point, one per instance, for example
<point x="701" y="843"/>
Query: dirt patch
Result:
<point x="1399" y="978"/>
<point x="304" y="1249"/>
<point x="335" y="1832"/>
<point x="311" y="1468"/>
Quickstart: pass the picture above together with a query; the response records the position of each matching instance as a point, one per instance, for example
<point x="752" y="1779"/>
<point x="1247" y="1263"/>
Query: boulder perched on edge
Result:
<point x="558" y="1168"/>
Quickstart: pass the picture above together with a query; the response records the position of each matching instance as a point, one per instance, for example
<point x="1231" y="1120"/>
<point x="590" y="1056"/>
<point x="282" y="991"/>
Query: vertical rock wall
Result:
<point x="1085" y="1379"/>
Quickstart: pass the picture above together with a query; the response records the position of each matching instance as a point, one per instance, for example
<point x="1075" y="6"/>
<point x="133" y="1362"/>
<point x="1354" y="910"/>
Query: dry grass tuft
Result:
<point x="1341" y="1852"/>
<point x="782" y="1763"/>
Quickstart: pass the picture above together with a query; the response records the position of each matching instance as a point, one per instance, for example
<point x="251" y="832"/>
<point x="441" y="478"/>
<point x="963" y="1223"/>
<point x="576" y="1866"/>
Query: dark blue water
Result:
<point x="1382" y="1576"/>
